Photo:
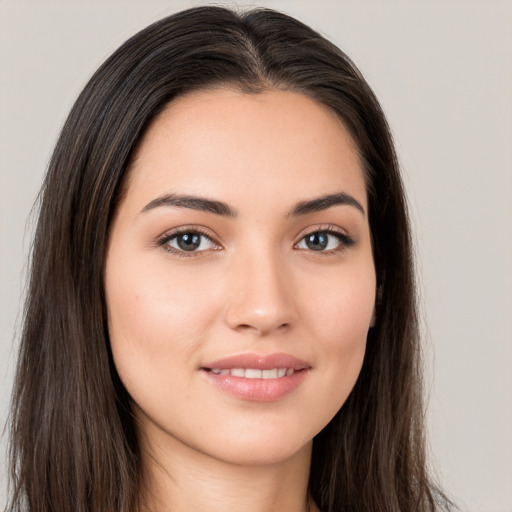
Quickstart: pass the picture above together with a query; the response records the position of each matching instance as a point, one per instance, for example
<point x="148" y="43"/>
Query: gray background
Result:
<point x="443" y="72"/>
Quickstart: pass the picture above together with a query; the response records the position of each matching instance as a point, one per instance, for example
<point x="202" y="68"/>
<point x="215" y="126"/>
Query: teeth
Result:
<point x="253" y="373"/>
<point x="269" y="374"/>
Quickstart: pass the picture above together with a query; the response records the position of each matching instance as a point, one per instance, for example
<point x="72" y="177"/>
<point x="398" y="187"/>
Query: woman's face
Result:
<point x="240" y="280"/>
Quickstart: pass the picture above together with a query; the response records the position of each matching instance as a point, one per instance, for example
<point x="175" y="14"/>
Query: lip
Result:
<point x="259" y="362"/>
<point x="257" y="389"/>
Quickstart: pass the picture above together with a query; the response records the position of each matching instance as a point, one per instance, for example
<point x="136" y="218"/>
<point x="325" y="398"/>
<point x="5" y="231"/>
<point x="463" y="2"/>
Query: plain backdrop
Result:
<point x="443" y="72"/>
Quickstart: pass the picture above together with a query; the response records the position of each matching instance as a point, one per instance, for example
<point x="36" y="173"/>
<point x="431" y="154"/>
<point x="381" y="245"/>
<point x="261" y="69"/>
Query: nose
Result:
<point x="261" y="295"/>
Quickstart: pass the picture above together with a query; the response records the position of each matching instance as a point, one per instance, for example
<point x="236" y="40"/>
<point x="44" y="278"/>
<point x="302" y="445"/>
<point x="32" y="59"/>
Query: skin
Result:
<point x="254" y="286"/>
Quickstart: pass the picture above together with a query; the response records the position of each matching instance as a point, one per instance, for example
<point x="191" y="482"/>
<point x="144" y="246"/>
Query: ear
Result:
<point x="378" y="299"/>
<point x="374" y="318"/>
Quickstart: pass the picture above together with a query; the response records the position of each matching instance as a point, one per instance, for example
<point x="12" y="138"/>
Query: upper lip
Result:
<point x="259" y="362"/>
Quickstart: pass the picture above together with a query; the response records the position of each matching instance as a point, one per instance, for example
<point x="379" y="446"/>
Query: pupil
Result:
<point x="189" y="241"/>
<point x="317" y="241"/>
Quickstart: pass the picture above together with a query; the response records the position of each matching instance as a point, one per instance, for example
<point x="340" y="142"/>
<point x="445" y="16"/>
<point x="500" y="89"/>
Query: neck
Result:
<point x="181" y="479"/>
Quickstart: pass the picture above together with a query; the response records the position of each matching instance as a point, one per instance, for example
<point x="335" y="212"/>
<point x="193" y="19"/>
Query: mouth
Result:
<point x="257" y="378"/>
<point x="254" y="373"/>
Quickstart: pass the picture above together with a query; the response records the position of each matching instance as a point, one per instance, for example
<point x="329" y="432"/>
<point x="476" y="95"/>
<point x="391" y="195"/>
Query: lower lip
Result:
<point x="257" y="390"/>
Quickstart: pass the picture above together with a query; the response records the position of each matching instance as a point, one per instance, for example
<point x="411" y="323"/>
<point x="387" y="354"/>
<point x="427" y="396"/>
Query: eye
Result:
<point x="327" y="240"/>
<point x="187" y="242"/>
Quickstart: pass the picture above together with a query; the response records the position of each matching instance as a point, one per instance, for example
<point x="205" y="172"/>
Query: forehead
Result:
<point x="233" y="145"/>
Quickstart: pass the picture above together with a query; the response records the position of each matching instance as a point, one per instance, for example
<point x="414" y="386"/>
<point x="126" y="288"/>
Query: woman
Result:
<point x="221" y="309"/>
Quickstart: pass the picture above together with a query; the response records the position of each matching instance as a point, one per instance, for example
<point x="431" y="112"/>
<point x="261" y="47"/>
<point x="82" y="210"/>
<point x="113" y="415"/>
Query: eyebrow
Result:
<point x="223" y="209"/>
<point x="193" y="202"/>
<point x="324" y="202"/>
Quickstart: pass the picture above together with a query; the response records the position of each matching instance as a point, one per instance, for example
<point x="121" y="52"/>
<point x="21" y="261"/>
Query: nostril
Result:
<point x="262" y="329"/>
<point x="260" y="316"/>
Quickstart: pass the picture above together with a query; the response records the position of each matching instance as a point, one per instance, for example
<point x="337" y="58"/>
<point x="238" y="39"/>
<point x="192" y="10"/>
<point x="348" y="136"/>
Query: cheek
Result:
<point x="341" y="306"/>
<point x="156" y="319"/>
<point x="339" y="317"/>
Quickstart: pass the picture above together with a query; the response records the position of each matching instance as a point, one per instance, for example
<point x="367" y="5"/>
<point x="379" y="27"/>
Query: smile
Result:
<point x="254" y="373"/>
<point x="257" y="378"/>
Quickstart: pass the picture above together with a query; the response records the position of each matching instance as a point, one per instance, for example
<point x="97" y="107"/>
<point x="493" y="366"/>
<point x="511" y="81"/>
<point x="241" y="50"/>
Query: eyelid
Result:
<point x="345" y="239"/>
<point x="163" y="239"/>
<point x="330" y="228"/>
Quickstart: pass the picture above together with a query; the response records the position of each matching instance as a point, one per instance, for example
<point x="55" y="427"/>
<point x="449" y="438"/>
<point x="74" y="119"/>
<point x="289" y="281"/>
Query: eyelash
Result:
<point x="345" y="241"/>
<point x="164" y="240"/>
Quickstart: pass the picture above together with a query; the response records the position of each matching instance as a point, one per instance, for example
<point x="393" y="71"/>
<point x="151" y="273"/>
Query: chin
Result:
<point x="268" y="452"/>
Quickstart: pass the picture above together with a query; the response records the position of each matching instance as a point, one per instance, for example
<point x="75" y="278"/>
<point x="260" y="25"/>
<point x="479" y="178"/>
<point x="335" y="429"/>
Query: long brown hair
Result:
<point x="73" y="441"/>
